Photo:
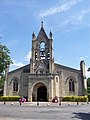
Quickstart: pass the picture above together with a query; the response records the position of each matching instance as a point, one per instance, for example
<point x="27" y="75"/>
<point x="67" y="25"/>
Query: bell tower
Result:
<point x="42" y="61"/>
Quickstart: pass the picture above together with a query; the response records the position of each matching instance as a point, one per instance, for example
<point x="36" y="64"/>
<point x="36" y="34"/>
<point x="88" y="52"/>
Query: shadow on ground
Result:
<point x="82" y="116"/>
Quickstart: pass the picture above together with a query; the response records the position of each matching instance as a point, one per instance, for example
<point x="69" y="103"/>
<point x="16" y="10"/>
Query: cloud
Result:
<point x="28" y="56"/>
<point x="19" y="64"/>
<point x="16" y="65"/>
<point x="54" y="10"/>
<point x="80" y="18"/>
<point x="82" y="58"/>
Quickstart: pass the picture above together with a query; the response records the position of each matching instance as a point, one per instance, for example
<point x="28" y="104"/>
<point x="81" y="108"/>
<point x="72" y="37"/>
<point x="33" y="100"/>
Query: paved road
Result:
<point x="43" y="112"/>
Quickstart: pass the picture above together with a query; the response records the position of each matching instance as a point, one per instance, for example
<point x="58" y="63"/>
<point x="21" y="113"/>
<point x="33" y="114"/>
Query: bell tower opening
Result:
<point x="42" y="50"/>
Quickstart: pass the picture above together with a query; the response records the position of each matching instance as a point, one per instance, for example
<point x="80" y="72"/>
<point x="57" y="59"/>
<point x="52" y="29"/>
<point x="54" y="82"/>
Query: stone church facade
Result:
<point x="43" y="79"/>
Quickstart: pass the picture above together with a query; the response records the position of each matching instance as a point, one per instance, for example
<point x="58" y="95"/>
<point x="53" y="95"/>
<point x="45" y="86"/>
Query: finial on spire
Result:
<point x="33" y="35"/>
<point x="42" y="24"/>
<point x="50" y="34"/>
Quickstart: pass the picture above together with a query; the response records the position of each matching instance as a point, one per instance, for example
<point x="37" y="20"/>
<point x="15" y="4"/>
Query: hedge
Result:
<point x="9" y="98"/>
<point x="65" y="98"/>
<point x="75" y="98"/>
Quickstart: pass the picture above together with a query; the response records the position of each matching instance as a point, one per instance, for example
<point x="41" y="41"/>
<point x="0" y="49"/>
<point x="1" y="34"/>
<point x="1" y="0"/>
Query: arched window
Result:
<point x="71" y="85"/>
<point x="15" y="85"/>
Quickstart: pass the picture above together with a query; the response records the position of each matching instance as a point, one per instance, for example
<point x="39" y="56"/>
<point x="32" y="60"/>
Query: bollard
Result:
<point x="37" y="103"/>
<point x="20" y="103"/>
<point x="48" y="104"/>
<point x="4" y="102"/>
<point x="87" y="102"/>
<point x="77" y="103"/>
<point x="60" y="103"/>
<point x="69" y="104"/>
<point x="11" y="103"/>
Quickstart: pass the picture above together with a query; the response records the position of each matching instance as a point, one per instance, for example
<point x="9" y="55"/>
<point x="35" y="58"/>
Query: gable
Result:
<point x="62" y="67"/>
<point x="42" y="37"/>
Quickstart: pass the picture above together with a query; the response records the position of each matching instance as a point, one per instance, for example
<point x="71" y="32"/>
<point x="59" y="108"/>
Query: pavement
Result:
<point x="44" y="111"/>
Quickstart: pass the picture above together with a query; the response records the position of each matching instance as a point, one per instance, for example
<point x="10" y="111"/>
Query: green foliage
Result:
<point x="88" y="82"/>
<point x="89" y="97"/>
<point x="74" y="98"/>
<point x="4" y="58"/>
<point x="2" y="82"/>
<point x="2" y="78"/>
<point x="9" y="98"/>
<point x="88" y="86"/>
<point x="88" y="90"/>
<point x="88" y="69"/>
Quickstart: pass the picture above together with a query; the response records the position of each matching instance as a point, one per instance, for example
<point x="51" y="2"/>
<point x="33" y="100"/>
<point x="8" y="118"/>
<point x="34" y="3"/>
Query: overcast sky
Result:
<point x="69" y="21"/>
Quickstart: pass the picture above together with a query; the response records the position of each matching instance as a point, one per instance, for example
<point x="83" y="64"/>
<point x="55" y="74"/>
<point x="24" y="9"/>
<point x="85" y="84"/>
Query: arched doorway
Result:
<point x="39" y="92"/>
<point x="42" y="93"/>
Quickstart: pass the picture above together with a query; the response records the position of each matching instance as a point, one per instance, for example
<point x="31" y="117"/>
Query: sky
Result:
<point x="69" y="21"/>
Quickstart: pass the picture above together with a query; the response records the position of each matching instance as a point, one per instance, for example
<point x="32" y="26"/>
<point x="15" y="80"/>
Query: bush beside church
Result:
<point x="64" y="99"/>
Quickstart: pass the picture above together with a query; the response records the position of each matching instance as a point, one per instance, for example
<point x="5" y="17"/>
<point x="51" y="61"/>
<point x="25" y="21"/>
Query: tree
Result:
<point x="2" y="78"/>
<point x="88" y="85"/>
<point x="88" y="88"/>
<point x="88" y="69"/>
<point x="5" y="60"/>
<point x="88" y="82"/>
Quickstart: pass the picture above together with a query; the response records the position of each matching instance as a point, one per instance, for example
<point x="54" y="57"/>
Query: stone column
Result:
<point x="29" y="90"/>
<point x="60" y="84"/>
<point x="50" y="89"/>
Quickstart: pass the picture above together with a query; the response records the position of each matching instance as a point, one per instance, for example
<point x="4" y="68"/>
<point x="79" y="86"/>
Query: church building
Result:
<point x="42" y="79"/>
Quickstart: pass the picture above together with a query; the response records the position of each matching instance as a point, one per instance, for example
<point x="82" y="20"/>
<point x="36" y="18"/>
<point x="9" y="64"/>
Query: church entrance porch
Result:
<point x="42" y="93"/>
<point x="39" y="92"/>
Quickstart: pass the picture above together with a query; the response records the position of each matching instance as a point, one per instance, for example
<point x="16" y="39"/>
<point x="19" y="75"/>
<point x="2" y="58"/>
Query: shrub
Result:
<point x="9" y="98"/>
<point x="89" y="97"/>
<point x="74" y="98"/>
<point x="88" y="90"/>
